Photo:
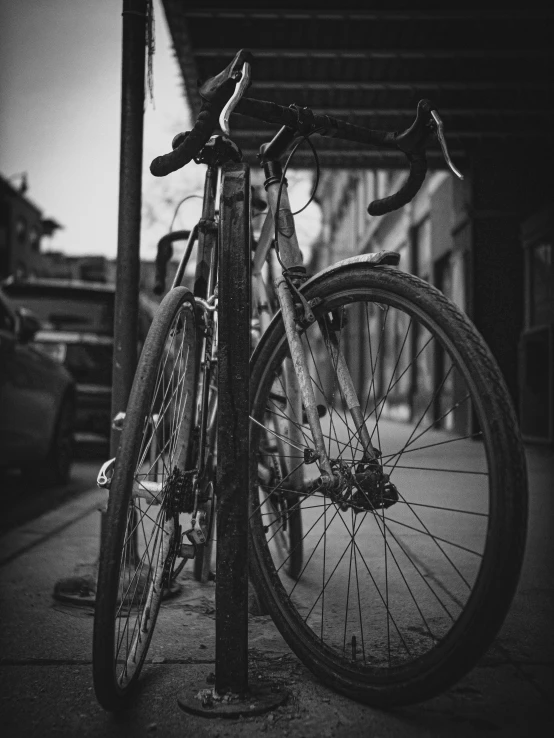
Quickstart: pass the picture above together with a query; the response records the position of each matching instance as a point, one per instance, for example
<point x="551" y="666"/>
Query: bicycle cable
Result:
<point x="188" y="197"/>
<point x="281" y="184"/>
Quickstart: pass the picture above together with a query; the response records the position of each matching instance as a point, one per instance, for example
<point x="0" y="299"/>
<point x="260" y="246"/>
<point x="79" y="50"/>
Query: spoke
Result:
<point x="433" y="445"/>
<point x="348" y="595"/>
<point x="438" y="538"/>
<point x="383" y="532"/>
<point x="277" y="435"/>
<point x="332" y="410"/>
<point x="335" y="440"/>
<point x="274" y="489"/>
<point x="378" y="416"/>
<point x="372" y="383"/>
<point x="323" y="572"/>
<point x="382" y="401"/>
<point x="358" y="590"/>
<point x="303" y="538"/>
<point x="296" y="423"/>
<point x="312" y="554"/>
<point x="438" y="507"/>
<point x="179" y="413"/>
<point x="150" y="588"/>
<point x="389" y="614"/>
<point x="352" y="434"/>
<point x="411" y="558"/>
<point x="160" y="382"/>
<point x="139" y="567"/>
<point x="438" y="469"/>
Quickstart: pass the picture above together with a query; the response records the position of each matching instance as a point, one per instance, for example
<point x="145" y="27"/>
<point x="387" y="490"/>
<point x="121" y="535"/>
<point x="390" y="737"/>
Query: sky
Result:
<point x="60" y="88"/>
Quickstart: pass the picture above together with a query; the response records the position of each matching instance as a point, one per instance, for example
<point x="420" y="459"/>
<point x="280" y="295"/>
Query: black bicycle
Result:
<point x="385" y="542"/>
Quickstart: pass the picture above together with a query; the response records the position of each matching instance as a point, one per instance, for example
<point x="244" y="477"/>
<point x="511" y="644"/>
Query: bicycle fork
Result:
<point x="330" y="477"/>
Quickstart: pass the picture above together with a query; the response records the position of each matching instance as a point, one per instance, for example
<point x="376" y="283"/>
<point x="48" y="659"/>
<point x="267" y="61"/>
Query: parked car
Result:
<point x="37" y="401"/>
<point x="77" y="331"/>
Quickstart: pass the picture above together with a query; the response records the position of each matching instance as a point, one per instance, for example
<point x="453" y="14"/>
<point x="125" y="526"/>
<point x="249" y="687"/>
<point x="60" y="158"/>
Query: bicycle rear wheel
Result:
<point x="405" y="580"/>
<point x="149" y="488"/>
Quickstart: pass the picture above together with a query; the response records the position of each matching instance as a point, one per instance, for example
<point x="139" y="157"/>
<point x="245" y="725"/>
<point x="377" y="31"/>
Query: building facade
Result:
<point x="443" y="237"/>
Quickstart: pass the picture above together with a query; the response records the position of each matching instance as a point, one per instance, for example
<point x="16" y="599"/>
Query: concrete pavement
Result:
<point x="45" y="663"/>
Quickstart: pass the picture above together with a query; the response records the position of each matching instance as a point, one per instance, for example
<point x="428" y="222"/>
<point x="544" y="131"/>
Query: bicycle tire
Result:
<point x="141" y="536"/>
<point x="400" y="640"/>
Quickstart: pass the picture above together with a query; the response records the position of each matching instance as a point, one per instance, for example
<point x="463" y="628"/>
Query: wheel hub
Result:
<point x="365" y="489"/>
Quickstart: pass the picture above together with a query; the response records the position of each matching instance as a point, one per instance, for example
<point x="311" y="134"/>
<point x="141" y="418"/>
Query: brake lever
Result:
<point x="233" y="101"/>
<point x="439" y="127"/>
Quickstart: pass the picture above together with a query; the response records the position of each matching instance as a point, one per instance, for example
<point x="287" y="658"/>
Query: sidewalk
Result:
<point x="45" y="651"/>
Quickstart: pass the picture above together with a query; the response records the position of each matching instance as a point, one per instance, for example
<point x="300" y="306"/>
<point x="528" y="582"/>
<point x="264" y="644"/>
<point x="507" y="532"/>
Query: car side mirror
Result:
<point x="27" y="325"/>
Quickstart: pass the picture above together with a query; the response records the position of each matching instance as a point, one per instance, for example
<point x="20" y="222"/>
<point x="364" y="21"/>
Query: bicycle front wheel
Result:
<point x="407" y="572"/>
<point x="149" y="488"/>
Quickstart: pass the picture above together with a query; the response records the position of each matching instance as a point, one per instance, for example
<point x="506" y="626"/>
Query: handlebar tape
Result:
<point x="215" y="93"/>
<point x="411" y="142"/>
<point x="164" y="254"/>
<point x="418" y="170"/>
<point x="190" y="147"/>
<point x="325" y="125"/>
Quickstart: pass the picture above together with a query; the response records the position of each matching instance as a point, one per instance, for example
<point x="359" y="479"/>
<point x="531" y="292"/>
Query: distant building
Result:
<point x="85" y="268"/>
<point x="444" y="236"/>
<point x="21" y="229"/>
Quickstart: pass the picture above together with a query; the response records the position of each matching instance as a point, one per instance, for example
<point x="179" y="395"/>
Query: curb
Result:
<point x="20" y="540"/>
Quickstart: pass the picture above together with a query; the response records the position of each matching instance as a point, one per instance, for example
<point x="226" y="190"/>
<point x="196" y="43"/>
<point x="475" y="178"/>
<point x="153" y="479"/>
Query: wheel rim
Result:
<point x="382" y="589"/>
<point x="159" y="491"/>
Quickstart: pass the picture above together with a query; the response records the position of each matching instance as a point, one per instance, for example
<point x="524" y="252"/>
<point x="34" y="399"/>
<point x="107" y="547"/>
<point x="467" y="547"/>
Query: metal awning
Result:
<point x="489" y="73"/>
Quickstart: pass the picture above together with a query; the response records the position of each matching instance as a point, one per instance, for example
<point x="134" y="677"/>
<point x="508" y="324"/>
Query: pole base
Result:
<point x="79" y="590"/>
<point x="205" y="702"/>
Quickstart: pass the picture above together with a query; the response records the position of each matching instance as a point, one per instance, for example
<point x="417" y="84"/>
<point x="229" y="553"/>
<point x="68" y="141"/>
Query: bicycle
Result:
<point x="413" y="513"/>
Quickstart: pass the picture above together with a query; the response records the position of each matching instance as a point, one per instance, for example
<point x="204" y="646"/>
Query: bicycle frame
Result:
<point x="298" y="381"/>
<point x="298" y="392"/>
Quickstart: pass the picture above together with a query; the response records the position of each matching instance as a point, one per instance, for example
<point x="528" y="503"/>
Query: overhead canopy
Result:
<point x="489" y="73"/>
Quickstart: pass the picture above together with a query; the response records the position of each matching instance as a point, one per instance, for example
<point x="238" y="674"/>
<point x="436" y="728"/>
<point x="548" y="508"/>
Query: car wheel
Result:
<point x="56" y="467"/>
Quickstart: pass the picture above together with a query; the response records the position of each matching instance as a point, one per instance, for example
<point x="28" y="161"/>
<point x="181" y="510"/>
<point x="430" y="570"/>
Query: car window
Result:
<point x="84" y="314"/>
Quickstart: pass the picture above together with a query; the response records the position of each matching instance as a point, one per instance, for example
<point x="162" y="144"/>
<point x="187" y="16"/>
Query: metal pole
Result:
<point x="233" y="696"/>
<point x="82" y="589"/>
<point x="130" y="186"/>
<point x="231" y="622"/>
